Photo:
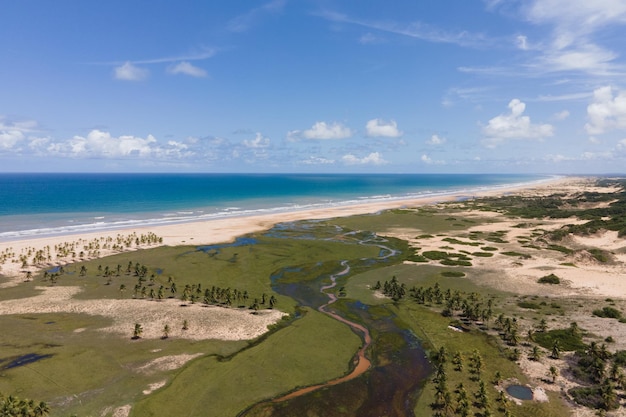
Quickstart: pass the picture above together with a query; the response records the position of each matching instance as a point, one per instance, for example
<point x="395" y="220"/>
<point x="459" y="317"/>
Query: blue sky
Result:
<point x="493" y="86"/>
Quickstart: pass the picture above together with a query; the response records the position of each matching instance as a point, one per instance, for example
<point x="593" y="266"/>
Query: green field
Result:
<point x="84" y="371"/>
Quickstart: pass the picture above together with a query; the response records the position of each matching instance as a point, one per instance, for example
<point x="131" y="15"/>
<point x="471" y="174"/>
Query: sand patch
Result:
<point x="154" y="387"/>
<point x="123" y="411"/>
<point x="205" y="322"/>
<point x="167" y="363"/>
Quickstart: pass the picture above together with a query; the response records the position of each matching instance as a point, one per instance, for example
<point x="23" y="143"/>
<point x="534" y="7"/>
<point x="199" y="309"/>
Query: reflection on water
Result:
<point x="399" y="364"/>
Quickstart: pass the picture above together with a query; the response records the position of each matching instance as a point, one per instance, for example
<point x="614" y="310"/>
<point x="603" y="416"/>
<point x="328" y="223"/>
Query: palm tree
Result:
<point x="185" y="325"/>
<point x="543" y="325"/>
<point x="535" y="354"/>
<point x="554" y="372"/>
<point x="41" y="409"/>
<point x="138" y="331"/>
<point x="83" y="271"/>
<point x="166" y="331"/>
<point x="122" y="290"/>
<point x="556" y="350"/>
<point x="457" y="361"/>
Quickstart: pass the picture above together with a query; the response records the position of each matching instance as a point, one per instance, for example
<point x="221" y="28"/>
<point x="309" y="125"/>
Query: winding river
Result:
<point x="387" y="370"/>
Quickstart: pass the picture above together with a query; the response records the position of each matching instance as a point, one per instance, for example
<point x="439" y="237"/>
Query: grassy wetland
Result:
<point x="462" y="300"/>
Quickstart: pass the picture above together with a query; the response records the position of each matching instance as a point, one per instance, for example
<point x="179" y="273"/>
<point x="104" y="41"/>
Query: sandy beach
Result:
<point x="227" y="229"/>
<point x="582" y="276"/>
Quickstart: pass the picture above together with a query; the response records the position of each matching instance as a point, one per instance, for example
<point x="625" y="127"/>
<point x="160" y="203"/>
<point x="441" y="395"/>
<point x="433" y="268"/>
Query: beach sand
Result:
<point x="586" y="279"/>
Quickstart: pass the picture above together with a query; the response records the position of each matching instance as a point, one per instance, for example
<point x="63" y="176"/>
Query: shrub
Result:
<point x="453" y="274"/>
<point x="549" y="279"/>
<point x="600" y="255"/>
<point x="608" y="312"/>
<point x="435" y="255"/>
<point x="528" y="304"/>
<point x="519" y="255"/>
<point x="568" y="341"/>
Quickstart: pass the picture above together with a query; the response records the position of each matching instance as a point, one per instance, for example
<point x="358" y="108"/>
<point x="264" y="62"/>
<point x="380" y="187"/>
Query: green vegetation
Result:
<point x="453" y="274"/>
<point x="567" y="339"/>
<point x="12" y="406"/>
<point x="608" y="312"/>
<point x="517" y="254"/>
<point x="549" y="279"/>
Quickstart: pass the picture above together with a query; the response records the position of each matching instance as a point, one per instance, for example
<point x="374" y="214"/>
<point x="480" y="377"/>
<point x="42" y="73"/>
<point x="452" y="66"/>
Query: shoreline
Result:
<point x="227" y="229"/>
<point x="111" y="222"/>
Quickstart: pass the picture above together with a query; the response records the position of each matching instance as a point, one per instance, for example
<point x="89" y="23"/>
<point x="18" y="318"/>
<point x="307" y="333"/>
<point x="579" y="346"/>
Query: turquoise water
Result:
<point x="33" y="205"/>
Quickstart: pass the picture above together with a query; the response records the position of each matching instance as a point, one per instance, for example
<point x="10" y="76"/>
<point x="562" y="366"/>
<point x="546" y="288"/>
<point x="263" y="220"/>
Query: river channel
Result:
<point x="387" y="371"/>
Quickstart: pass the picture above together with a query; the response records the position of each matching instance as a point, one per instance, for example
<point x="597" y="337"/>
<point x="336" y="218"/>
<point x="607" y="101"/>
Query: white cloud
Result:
<point x="13" y="132"/>
<point x="562" y="115"/>
<point x="416" y="29"/>
<point x="522" y="42"/>
<point x="378" y="128"/>
<point x="606" y="112"/>
<point x="370" y="39"/>
<point x="315" y="160"/>
<point x="579" y="15"/>
<point x="10" y="138"/>
<point x="429" y="161"/>
<point x="436" y="140"/>
<point x="514" y="126"/>
<point x="575" y="24"/>
<point x="373" y="158"/>
<point x="243" y="22"/>
<point x="102" y="144"/>
<point x="130" y="72"/>
<point x="187" y="68"/>
<point x="321" y="130"/>
<point x="258" y="142"/>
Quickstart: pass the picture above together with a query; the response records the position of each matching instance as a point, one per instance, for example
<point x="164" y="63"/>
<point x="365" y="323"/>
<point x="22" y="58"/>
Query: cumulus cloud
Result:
<point x="14" y="132"/>
<point x="436" y="140"/>
<point x="10" y="138"/>
<point x="606" y="112"/>
<point x="381" y="128"/>
<point x="429" y="161"/>
<point x="373" y="158"/>
<point x="259" y="141"/>
<point x="186" y="68"/>
<point x="514" y="125"/>
<point x="130" y="72"/>
<point x="562" y="115"/>
<point x="321" y="130"/>
<point x="98" y="143"/>
<point x="316" y="160"/>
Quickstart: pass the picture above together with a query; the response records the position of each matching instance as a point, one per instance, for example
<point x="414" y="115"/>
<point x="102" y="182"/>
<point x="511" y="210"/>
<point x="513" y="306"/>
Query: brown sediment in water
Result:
<point x="362" y="362"/>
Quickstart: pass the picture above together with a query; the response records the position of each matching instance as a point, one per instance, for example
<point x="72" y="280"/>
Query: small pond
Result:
<point x="521" y="392"/>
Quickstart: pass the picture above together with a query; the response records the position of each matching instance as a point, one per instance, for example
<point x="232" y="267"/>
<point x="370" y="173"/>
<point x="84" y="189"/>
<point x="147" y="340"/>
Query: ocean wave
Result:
<point x="168" y="218"/>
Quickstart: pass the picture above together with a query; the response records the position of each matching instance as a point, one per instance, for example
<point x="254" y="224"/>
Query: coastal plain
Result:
<point x="70" y="335"/>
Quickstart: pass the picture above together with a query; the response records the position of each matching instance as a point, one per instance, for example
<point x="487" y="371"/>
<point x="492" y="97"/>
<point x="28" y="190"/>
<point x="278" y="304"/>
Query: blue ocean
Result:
<point x="34" y="205"/>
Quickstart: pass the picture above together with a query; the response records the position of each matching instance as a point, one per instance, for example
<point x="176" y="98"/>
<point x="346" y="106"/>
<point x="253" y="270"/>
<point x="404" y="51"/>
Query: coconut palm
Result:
<point x="185" y="325"/>
<point x="166" y="331"/>
<point x="554" y="372"/>
<point x="138" y="331"/>
<point x="556" y="350"/>
<point x="535" y="354"/>
<point x="41" y="409"/>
